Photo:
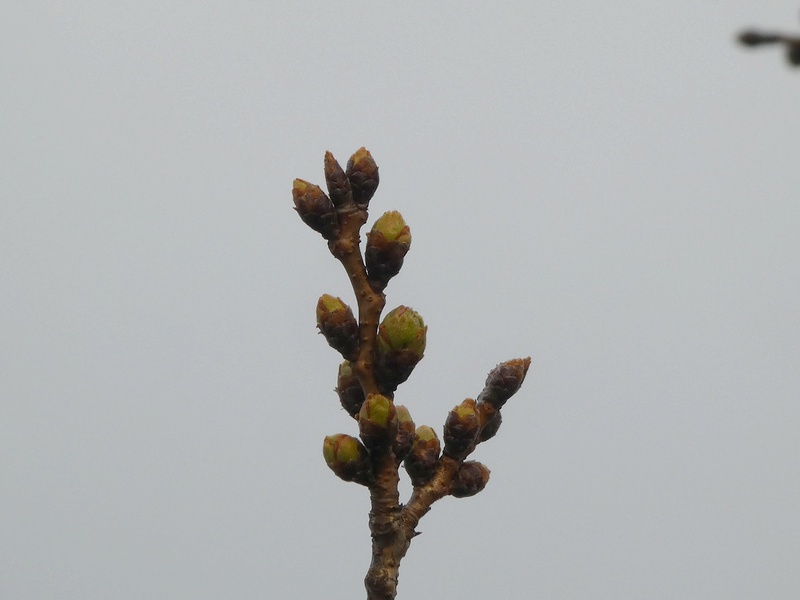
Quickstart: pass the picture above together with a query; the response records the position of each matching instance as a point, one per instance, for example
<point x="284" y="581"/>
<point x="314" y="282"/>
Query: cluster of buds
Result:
<point x="349" y="191"/>
<point x="380" y="354"/>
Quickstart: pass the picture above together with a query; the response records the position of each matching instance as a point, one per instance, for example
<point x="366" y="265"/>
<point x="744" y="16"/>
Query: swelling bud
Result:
<point x="405" y="433"/>
<point x="470" y="479"/>
<point x="315" y="209"/>
<point x="336" y="322"/>
<point x="461" y="429"/>
<point x="504" y="381"/>
<point x="348" y="387"/>
<point x="377" y="422"/>
<point x="387" y="244"/>
<point x="346" y="457"/>
<point x="363" y="175"/>
<point x="401" y="341"/>
<point x="422" y="461"/>
<point x="338" y="184"/>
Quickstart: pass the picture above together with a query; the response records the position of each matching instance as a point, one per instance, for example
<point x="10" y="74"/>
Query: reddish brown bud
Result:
<point x="363" y="175"/>
<point x="422" y="461"/>
<point x="405" y="433"/>
<point x="336" y="322"/>
<point x="470" y="479"/>
<point x="351" y="394"/>
<point x="338" y="184"/>
<point x="504" y="381"/>
<point x="315" y="208"/>
<point x="490" y="428"/>
<point x="461" y="429"/>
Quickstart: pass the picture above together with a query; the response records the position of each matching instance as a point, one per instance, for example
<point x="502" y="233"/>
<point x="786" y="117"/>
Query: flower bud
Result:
<point x="422" y="461"/>
<point x="346" y="457"/>
<point x="401" y="343"/>
<point x="338" y="184"/>
<point x="461" y="429"/>
<point x="363" y="175"/>
<point x="490" y="428"/>
<point x="336" y="322"/>
<point x="405" y="433"/>
<point x="315" y="208"/>
<point x="348" y="387"/>
<point x="387" y="244"/>
<point x="377" y="422"/>
<point x="504" y="381"/>
<point x="470" y="479"/>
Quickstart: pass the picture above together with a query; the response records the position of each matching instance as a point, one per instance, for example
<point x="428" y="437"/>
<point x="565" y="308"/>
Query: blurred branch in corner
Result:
<point x="752" y="38"/>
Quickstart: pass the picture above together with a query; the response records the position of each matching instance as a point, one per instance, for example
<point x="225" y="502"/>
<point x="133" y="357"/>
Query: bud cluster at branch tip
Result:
<point x="315" y="208"/>
<point x="422" y="461"/>
<point x="402" y="337"/>
<point x="347" y="457"/>
<point x="387" y="244"/>
<point x="337" y="323"/>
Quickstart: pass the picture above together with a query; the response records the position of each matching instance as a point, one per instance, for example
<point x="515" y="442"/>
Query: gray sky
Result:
<point x="610" y="188"/>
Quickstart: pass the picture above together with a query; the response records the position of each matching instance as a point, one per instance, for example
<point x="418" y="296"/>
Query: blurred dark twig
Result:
<point x="752" y="38"/>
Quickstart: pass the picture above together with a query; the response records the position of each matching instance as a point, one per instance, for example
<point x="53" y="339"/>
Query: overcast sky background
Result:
<point x="610" y="188"/>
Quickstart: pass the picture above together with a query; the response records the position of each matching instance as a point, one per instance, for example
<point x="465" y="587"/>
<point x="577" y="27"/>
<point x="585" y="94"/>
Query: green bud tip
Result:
<point x="402" y="328"/>
<point x="403" y="416"/>
<point x="425" y="435"/>
<point x="328" y="304"/>
<point x="302" y="188"/>
<point x="378" y="409"/>
<point x="336" y="322"/>
<point x="340" y="448"/>
<point x="346" y="370"/>
<point x="466" y="410"/>
<point x="393" y="228"/>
